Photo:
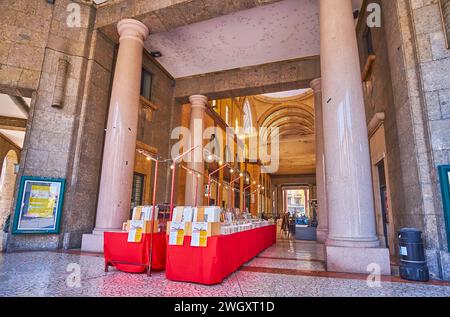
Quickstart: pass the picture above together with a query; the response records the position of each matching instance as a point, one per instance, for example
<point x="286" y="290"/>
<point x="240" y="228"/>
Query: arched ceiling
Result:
<point x="292" y="114"/>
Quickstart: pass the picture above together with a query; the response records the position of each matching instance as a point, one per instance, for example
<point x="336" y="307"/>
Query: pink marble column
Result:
<point x="120" y="141"/>
<point x="352" y="242"/>
<point x="198" y="106"/>
<point x="322" y="210"/>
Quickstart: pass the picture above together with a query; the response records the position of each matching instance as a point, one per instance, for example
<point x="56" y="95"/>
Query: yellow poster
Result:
<point x="42" y="202"/>
<point x="136" y="229"/>
<point x="199" y="234"/>
<point x="177" y="231"/>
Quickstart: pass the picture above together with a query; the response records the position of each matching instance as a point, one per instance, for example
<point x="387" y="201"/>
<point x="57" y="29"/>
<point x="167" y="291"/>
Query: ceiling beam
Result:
<point x="21" y="104"/>
<point x="166" y="15"/>
<point x="251" y="80"/>
<point x="14" y="124"/>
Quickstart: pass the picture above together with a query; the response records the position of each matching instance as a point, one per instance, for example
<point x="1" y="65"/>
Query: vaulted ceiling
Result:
<point x="292" y="114"/>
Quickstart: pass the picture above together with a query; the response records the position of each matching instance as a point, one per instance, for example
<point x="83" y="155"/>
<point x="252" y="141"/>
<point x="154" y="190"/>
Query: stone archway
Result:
<point x="7" y="184"/>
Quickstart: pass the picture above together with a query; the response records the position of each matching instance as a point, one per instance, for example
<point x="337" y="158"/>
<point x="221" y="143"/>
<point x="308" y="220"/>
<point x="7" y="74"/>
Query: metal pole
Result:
<point x="173" y="177"/>
<point x="245" y="200"/>
<point x="196" y="190"/>
<point x="171" y="191"/>
<point x="155" y="182"/>
<point x="209" y="190"/>
<point x="209" y="180"/>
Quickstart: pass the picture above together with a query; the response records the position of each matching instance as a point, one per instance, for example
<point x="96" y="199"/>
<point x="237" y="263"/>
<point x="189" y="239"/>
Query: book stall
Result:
<point x="199" y="244"/>
<point x="207" y="244"/>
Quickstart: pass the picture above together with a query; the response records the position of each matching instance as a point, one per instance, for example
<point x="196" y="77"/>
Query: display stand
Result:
<point x="148" y="264"/>
<point x="223" y="255"/>
<point x="135" y="257"/>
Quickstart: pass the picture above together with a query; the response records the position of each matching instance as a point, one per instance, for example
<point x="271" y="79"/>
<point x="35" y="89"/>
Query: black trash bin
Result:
<point x="413" y="265"/>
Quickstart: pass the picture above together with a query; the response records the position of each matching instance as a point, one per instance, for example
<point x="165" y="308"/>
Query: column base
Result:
<point x="93" y="242"/>
<point x="357" y="260"/>
<point x="322" y="235"/>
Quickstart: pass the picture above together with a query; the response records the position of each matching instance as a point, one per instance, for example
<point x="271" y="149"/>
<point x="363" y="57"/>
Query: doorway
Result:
<point x="7" y="185"/>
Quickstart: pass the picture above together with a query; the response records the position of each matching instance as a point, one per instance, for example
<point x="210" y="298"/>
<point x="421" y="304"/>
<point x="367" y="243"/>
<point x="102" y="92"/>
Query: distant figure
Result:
<point x="285" y="222"/>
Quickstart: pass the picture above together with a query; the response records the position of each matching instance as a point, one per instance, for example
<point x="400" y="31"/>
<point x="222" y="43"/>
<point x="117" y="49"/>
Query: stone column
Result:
<point x="322" y="211"/>
<point x="198" y="106"/>
<point x="120" y="140"/>
<point x="352" y="242"/>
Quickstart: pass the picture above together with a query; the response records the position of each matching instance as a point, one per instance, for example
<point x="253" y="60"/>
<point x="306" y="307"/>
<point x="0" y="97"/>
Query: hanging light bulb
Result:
<point x="148" y="158"/>
<point x="231" y="170"/>
<point x="172" y="167"/>
<point x="240" y="174"/>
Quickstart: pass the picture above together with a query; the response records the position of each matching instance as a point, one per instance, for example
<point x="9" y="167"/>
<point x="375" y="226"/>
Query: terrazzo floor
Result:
<point x="288" y="268"/>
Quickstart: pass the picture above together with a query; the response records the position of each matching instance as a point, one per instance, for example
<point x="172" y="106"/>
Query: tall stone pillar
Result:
<point x="352" y="243"/>
<point x="198" y="106"/>
<point x="322" y="210"/>
<point x="120" y="140"/>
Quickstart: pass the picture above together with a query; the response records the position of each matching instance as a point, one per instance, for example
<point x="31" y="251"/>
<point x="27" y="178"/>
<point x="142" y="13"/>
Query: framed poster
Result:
<point x="39" y="205"/>
<point x="444" y="176"/>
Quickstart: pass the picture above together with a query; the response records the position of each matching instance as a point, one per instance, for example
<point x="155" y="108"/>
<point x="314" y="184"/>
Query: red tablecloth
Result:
<point x="223" y="255"/>
<point x="117" y="250"/>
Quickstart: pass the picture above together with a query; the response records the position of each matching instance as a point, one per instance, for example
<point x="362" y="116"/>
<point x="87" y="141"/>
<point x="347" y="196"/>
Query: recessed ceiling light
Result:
<point x="155" y="54"/>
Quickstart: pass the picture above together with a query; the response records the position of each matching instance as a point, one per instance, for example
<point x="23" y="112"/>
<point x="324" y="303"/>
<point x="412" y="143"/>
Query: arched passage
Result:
<point x="7" y="183"/>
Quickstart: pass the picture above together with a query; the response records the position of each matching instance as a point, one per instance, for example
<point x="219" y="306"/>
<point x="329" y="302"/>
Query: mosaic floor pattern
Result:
<point x="288" y="268"/>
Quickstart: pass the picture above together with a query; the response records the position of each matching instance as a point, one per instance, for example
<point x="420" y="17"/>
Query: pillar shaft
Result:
<point x="198" y="106"/>
<point x="322" y="210"/>
<point x="351" y="217"/>
<point x="120" y="141"/>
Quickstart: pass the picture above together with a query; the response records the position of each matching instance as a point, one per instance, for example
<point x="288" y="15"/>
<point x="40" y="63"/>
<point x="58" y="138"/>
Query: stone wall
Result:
<point x="434" y="81"/>
<point x="156" y="132"/>
<point x="419" y="67"/>
<point x="379" y="97"/>
<point x="24" y="27"/>
<point x="67" y="142"/>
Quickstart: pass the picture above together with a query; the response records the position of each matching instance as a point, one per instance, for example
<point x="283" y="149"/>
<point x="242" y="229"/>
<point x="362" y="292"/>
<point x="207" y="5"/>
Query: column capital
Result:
<point x="198" y="101"/>
<point x="133" y="29"/>
<point x="316" y="85"/>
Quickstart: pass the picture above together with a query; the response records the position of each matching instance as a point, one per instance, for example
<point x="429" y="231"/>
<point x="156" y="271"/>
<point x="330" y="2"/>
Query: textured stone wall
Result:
<point x="156" y="133"/>
<point x="379" y="97"/>
<point x="67" y="142"/>
<point x="434" y="81"/>
<point x="24" y="27"/>
<point x="419" y="67"/>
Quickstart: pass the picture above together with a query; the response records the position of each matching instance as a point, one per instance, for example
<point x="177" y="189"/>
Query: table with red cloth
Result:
<point x="134" y="257"/>
<point x="222" y="256"/>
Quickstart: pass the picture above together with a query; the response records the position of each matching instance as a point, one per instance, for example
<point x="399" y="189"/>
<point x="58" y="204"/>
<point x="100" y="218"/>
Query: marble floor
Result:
<point x="288" y="268"/>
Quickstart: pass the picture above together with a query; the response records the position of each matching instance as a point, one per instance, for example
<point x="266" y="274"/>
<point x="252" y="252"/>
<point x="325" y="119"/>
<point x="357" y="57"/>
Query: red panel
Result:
<point x="223" y="255"/>
<point x="116" y="248"/>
